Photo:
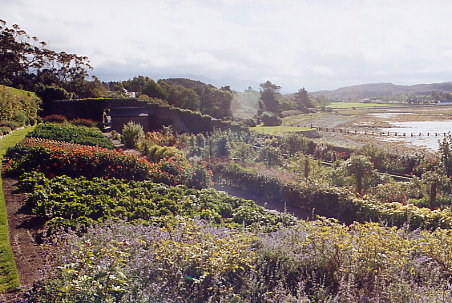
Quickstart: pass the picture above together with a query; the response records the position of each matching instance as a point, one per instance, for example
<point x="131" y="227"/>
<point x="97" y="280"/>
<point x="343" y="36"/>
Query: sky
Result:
<point x="316" y="44"/>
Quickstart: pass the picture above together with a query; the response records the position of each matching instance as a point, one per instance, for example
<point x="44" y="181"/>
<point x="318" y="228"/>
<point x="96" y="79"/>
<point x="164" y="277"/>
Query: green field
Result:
<point x="278" y="130"/>
<point x="340" y="105"/>
<point x="9" y="278"/>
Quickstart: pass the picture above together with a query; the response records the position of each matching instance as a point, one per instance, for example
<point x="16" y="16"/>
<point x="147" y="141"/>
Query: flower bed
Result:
<point x="189" y="261"/>
<point x="59" y="158"/>
<point x="72" y="133"/>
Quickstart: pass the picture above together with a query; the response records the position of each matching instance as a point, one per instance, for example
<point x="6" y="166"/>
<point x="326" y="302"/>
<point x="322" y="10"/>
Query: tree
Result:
<point x="361" y="170"/>
<point x="180" y="96"/>
<point x="25" y="62"/>
<point x="153" y="90"/>
<point x="302" y="100"/>
<point x="269" y="97"/>
<point x="445" y="150"/>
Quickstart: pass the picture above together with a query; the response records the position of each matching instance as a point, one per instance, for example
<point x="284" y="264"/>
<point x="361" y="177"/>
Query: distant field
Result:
<point x="356" y="104"/>
<point x="278" y="130"/>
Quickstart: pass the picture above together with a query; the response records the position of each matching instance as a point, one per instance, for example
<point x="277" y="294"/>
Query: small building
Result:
<point x="122" y="115"/>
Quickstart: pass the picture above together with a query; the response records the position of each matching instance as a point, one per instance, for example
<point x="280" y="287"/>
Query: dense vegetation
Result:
<point x="67" y="202"/>
<point x="17" y="108"/>
<point x="190" y="261"/>
<point x="149" y="228"/>
<point x="71" y="133"/>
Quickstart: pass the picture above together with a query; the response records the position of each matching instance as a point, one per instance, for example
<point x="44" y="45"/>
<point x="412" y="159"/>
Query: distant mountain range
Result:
<point x="375" y="90"/>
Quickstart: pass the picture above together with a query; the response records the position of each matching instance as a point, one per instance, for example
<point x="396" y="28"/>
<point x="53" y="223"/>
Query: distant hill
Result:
<point x="375" y="90"/>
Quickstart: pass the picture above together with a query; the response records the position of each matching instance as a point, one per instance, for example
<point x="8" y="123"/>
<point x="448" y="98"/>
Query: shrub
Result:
<point x="71" y="133"/>
<point x="174" y="171"/>
<point x="55" y="158"/>
<point x="4" y="130"/>
<point x="20" y="117"/>
<point x="270" y="119"/>
<point x="11" y="124"/>
<point x="156" y="153"/>
<point x="131" y="134"/>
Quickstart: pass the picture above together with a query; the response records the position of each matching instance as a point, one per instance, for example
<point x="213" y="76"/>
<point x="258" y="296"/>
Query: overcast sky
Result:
<point x="317" y="44"/>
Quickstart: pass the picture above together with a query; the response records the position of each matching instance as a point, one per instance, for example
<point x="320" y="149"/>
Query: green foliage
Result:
<point x="199" y="96"/>
<point x="361" y="170"/>
<point x="72" y="133"/>
<point x="67" y="202"/>
<point x="51" y="92"/>
<point x="386" y="161"/>
<point x="269" y="98"/>
<point x="330" y="202"/>
<point x="17" y="105"/>
<point x="188" y="261"/>
<point x="445" y="150"/>
<point x="270" y="119"/>
<point x="25" y="62"/>
<point x="131" y="134"/>
<point x="156" y="153"/>
<point x="182" y="97"/>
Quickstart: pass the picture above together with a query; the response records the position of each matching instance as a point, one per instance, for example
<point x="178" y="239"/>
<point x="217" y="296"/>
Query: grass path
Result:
<point x="279" y="130"/>
<point x="9" y="278"/>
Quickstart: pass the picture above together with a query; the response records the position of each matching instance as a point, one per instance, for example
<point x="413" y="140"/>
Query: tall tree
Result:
<point x="26" y="62"/>
<point x="269" y="97"/>
<point x="301" y="99"/>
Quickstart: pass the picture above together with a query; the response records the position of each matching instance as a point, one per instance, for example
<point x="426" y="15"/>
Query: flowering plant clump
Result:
<point x="176" y="170"/>
<point x="117" y="262"/>
<point x="55" y="119"/>
<point x="60" y="158"/>
<point x="190" y="261"/>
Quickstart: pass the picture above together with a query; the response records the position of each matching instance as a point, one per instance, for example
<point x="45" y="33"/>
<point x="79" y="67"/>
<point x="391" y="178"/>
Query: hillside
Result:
<point x="370" y="90"/>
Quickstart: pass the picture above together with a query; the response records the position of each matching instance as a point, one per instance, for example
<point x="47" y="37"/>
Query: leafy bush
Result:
<point x="11" y="124"/>
<point x="270" y="119"/>
<point x="4" y="130"/>
<point x="156" y="153"/>
<point x="20" y="117"/>
<point x="131" y="134"/>
<point x="71" y="133"/>
<point x="63" y="201"/>
<point x="174" y="171"/>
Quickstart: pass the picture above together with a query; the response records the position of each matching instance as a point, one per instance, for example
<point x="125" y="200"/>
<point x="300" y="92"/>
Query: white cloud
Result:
<point x="315" y="44"/>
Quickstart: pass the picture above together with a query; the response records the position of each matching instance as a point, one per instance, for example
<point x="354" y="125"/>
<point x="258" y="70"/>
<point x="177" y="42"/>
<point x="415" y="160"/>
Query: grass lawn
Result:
<point x="278" y="130"/>
<point x="340" y="105"/>
<point x="9" y="278"/>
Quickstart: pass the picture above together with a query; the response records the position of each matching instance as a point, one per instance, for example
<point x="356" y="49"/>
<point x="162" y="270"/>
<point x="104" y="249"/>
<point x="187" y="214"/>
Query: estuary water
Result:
<point x="423" y="128"/>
